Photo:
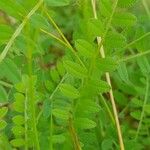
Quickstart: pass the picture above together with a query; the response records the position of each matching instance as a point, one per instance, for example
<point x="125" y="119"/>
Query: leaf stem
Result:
<point x="107" y="108"/>
<point x="144" y="104"/>
<point x="18" y="30"/>
<point x="146" y="7"/>
<point x="51" y="115"/>
<point x="107" y="74"/>
<point x="25" y="119"/>
<point x="74" y="135"/>
<point x="6" y="84"/>
<point x="55" y="37"/>
<point x="31" y="92"/>
<point x="64" y="38"/>
<point x="140" y="38"/>
<point x="134" y="56"/>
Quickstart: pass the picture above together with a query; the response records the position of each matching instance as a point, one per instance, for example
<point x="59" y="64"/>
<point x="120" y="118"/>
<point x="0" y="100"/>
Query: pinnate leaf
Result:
<point x="75" y="69"/>
<point x="69" y="91"/>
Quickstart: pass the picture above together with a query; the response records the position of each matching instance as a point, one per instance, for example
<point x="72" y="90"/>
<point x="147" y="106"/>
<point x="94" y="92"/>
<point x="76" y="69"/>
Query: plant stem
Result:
<point x="51" y="116"/>
<point x="6" y="84"/>
<point x="64" y="38"/>
<point x="74" y="135"/>
<point x="134" y="56"/>
<point x="144" y="104"/>
<point x="25" y="119"/>
<point x="146" y="7"/>
<point x="52" y="94"/>
<point x="140" y="38"/>
<point x="18" y="30"/>
<point x="31" y="94"/>
<point x="55" y="37"/>
<point x="107" y="74"/>
<point x="107" y="108"/>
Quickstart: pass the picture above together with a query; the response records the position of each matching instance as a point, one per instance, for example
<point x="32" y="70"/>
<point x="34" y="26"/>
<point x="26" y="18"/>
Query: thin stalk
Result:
<point x="137" y="40"/>
<point x="144" y="2"/>
<point x="51" y="116"/>
<point x="55" y="37"/>
<point x="64" y="38"/>
<point x="18" y="30"/>
<point x="108" y="26"/>
<point x="52" y="94"/>
<point x="107" y="108"/>
<point x="51" y="127"/>
<point x="31" y="93"/>
<point x="74" y="135"/>
<point x="144" y="104"/>
<point x="25" y="119"/>
<point x="8" y="85"/>
<point x="134" y="56"/>
<point x="107" y="74"/>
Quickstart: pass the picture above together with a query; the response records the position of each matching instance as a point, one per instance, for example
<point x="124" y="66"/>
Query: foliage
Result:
<point x="74" y="74"/>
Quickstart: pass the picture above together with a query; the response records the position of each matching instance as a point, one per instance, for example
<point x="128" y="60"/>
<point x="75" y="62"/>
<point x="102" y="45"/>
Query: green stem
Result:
<point x="74" y="135"/>
<point x="144" y="104"/>
<point x="55" y="37"/>
<point x="31" y="94"/>
<point x="102" y="52"/>
<point x="25" y="119"/>
<point x="146" y="7"/>
<point x="51" y="116"/>
<point x="134" y="56"/>
<point x="52" y="94"/>
<point x="18" y="30"/>
<point x="107" y="109"/>
<point x="64" y="38"/>
<point x="108" y="26"/>
<point x="137" y="40"/>
<point x="6" y="84"/>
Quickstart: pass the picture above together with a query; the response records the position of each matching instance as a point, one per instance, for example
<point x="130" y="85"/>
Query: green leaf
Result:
<point x="137" y="102"/>
<point x="6" y="32"/>
<point x="10" y="7"/>
<point x="136" y="114"/>
<point x="18" y="130"/>
<point x="144" y="65"/>
<point x="106" y="7"/>
<point x="3" y="95"/>
<point x="106" y="64"/>
<point x="144" y="43"/>
<point x="95" y="28"/>
<point x="17" y="142"/>
<point x="94" y="87"/>
<point x="107" y="144"/>
<point x="85" y="123"/>
<point x="60" y="68"/>
<point x="69" y="91"/>
<point x="58" y="3"/>
<point x="85" y="48"/>
<point x="2" y="124"/>
<point x="58" y="139"/>
<point x="10" y="70"/>
<point x="126" y="3"/>
<point x="124" y="19"/>
<point x="3" y="112"/>
<point x="60" y="114"/>
<point x="49" y="85"/>
<point x="75" y="69"/>
<point x="123" y="73"/>
<point x="18" y="120"/>
<point x="38" y="21"/>
<point x="54" y="75"/>
<point x="147" y="108"/>
<point x="114" y="37"/>
<point x="19" y="102"/>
